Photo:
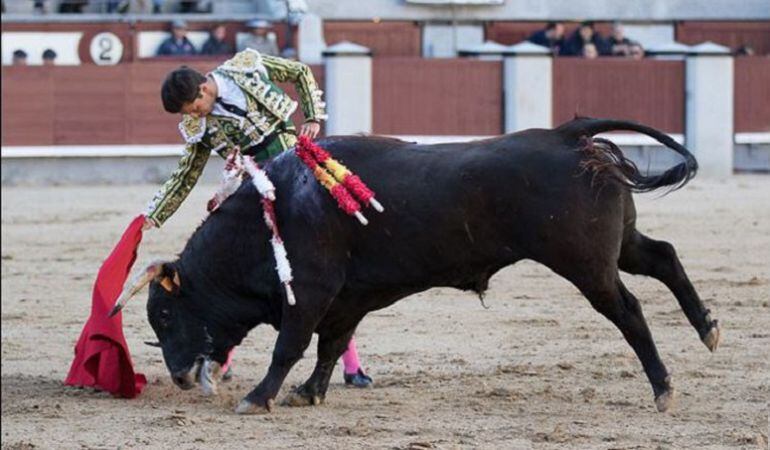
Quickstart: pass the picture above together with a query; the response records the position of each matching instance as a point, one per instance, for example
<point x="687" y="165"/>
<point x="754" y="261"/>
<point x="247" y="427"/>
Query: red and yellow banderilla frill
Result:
<point x="341" y="183"/>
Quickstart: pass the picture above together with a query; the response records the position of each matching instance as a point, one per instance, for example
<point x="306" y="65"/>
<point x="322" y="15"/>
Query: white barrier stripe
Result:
<point x="752" y="138"/>
<point x="617" y="138"/>
<point x="90" y="151"/>
<point x="117" y="151"/>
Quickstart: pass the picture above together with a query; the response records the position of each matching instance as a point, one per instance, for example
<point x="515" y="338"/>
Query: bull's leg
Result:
<point x="616" y="303"/>
<point x="290" y="345"/>
<point x="297" y="326"/>
<point x="641" y="255"/>
<point x="313" y="391"/>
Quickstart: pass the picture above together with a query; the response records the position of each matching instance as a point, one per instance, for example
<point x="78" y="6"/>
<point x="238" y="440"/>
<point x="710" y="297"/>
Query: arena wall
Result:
<point x="650" y="10"/>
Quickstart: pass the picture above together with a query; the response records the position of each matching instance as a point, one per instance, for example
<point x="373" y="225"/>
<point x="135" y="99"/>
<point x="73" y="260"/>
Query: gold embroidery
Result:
<point x="175" y="190"/>
<point x="247" y="61"/>
<point x="192" y="129"/>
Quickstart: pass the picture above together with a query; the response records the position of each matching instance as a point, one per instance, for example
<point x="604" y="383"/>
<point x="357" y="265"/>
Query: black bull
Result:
<point x="454" y="215"/>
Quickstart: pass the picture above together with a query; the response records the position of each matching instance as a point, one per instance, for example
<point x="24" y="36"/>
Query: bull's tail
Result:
<point x="603" y="154"/>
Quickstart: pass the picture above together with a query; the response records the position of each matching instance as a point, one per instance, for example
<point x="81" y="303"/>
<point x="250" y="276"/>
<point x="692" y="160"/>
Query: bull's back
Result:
<point x="453" y="208"/>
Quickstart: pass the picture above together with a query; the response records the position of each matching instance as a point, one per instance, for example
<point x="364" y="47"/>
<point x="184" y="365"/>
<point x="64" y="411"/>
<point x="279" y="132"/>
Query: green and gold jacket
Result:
<point x="268" y="107"/>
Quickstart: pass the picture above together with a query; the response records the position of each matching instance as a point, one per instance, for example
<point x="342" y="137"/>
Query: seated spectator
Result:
<point x="583" y="35"/>
<point x="72" y="6"/>
<point x="177" y="44"/>
<point x="114" y="6"/>
<point x="745" y="50"/>
<point x="19" y="58"/>
<point x="589" y="51"/>
<point x="260" y="39"/>
<point x="635" y="50"/>
<point x="618" y="43"/>
<point x="49" y="57"/>
<point x="216" y="44"/>
<point x="551" y="37"/>
<point x="188" y="6"/>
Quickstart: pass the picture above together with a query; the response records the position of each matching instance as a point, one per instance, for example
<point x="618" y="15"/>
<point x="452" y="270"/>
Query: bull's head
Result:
<point x="185" y="333"/>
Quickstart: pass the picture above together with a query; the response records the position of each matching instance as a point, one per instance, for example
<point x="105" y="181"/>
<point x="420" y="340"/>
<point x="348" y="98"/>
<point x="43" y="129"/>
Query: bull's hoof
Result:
<point x="209" y="389"/>
<point x="246" y="407"/>
<point x="298" y="399"/>
<point x="712" y="338"/>
<point x="665" y="401"/>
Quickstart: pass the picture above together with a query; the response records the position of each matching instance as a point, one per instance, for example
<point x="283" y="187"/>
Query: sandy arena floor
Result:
<point x="539" y="369"/>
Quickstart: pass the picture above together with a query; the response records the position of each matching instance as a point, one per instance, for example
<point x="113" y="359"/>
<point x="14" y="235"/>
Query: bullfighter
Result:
<point x="239" y="106"/>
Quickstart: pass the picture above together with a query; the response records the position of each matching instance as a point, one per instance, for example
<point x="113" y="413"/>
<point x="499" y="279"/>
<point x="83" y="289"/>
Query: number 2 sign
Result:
<point x="106" y="49"/>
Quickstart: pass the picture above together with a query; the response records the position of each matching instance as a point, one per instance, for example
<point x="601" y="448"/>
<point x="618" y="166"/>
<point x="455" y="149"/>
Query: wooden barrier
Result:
<point x="120" y="105"/>
<point x="752" y="94"/>
<point x="731" y="34"/>
<point x="92" y="105"/>
<point x="647" y="91"/>
<point x="382" y="38"/>
<point x="437" y="96"/>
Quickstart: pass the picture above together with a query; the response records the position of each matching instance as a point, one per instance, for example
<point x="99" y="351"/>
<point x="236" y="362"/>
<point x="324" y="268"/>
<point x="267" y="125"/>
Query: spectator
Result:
<point x="583" y="35"/>
<point x="618" y="43"/>
<point x="72" y="6"/>
<point x="216" y="44"/>
<point x="635" y="50"/>
<point x="260" y="39"/>
<point x="39" y="7"/>
<point x="19" y="58"/>
<point x="589" y="51"/>
<point x="745" y="50"/>
<point x="177" y="44"/>
<point x="552" y="36"/>
<point x="49" y="57"/>
<point x="188" y="6"/>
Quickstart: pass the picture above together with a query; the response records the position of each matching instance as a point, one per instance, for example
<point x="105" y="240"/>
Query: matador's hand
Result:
<point x="148" y="224"/>
<point x="310" y="129"/>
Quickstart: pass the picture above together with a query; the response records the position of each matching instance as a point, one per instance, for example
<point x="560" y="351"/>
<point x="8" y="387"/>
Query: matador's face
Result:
<point x="204" y="102"/>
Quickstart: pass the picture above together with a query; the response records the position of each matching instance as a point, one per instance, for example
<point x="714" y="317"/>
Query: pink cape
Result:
<point x="102" y="359"/>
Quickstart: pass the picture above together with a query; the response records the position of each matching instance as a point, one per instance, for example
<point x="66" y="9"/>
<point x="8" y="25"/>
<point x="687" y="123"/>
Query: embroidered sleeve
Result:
<point x="192" y="128"/>
<point x="281" y="70"/>
<point x="175" y="190"/>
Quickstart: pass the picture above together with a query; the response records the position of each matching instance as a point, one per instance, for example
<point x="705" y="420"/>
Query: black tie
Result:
<point x="231" y="108"/>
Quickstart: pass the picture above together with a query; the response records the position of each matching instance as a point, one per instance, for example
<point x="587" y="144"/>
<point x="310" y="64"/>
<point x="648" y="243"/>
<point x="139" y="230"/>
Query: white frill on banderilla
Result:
<point x="231" y="180"/>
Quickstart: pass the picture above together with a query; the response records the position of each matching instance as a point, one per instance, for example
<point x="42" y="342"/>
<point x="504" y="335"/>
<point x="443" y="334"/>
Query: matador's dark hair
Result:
<point x="180" y="86"/>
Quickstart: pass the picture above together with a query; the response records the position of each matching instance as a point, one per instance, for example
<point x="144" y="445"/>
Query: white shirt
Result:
<point x="230" y="93"/>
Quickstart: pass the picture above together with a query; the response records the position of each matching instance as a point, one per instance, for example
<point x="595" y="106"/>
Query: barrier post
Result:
<point x="348" y="88"/>
<point x="709" y="108"/>
<point x="527" y="86"/>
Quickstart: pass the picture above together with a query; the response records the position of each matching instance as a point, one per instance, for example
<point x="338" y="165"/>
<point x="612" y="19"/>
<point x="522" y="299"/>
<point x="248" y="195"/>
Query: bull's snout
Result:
<point x="183" y="379"/>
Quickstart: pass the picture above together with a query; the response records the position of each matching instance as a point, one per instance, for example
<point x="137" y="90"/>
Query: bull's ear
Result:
<point x="169" y="278"/>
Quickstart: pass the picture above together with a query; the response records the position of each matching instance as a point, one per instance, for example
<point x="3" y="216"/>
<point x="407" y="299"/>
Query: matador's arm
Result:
<point x="282" y="70"/>
<point x="178" y="186"/>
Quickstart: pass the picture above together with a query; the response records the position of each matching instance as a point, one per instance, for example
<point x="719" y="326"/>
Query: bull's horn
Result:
<point x="137" y="283"/>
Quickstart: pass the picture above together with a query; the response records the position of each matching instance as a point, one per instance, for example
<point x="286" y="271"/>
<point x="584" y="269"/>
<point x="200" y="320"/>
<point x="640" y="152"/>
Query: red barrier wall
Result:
<point x="752" y="94"/>
<point x="382" y="38"/>
<point x="93" y="105"/>
<point x="121" y="105"/>
<point x="731" y="34"/>
<point x="647" y="91"/>
<point x="437" y="96"/>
